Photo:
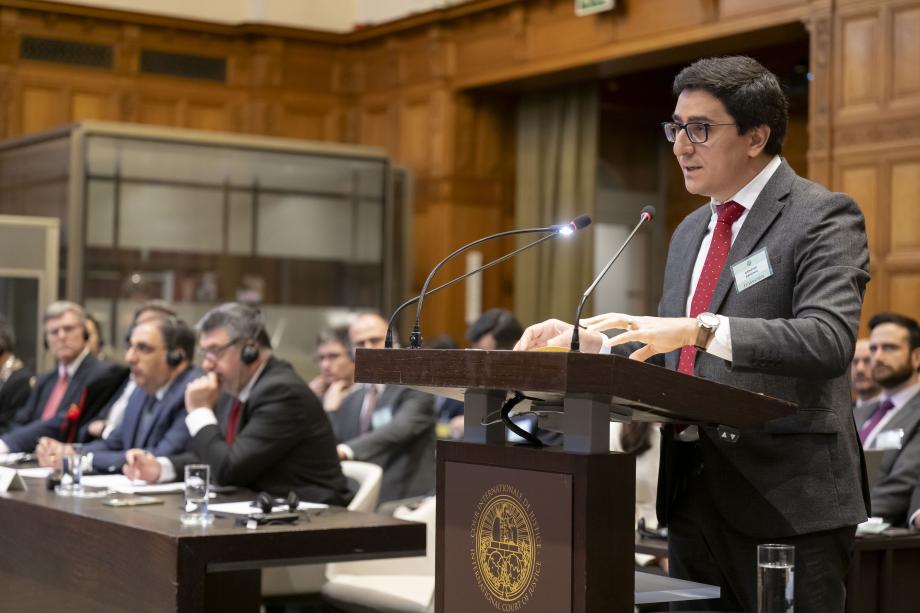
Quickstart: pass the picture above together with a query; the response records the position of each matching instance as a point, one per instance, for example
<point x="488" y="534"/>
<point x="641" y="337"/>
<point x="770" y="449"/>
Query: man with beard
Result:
<point x="865" y="390"/>
<point x="251" y="418"/>
<point x="893" y="423"/>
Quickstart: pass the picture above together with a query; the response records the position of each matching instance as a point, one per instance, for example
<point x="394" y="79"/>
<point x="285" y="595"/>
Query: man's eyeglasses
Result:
<point x="697" y="131"/>
<point x="216" y="353"/>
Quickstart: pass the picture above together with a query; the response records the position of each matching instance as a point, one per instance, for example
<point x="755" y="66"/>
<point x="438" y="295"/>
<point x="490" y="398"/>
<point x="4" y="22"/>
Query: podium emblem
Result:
<point x="506" y="547"/>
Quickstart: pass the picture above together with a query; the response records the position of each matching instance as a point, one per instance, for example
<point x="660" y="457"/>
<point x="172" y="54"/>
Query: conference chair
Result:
<point x="309" y="578"/>
<point x="402" y="585"/>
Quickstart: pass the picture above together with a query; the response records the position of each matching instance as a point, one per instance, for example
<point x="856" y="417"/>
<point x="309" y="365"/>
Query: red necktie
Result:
<point x="728" y="214"/>
<point x="233" y="421"/>
<point x="57" y="395"/>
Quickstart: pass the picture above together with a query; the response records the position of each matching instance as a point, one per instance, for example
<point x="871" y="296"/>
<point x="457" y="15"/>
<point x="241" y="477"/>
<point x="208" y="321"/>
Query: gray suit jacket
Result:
<point x="403" y="447"/>
<point x="793" y="336"/>
<point x="899" y="470"/>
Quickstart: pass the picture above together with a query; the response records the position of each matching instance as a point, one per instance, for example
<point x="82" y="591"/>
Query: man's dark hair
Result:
<point x="7" y="336"/>
<point x="159" y="307"/>
<point x="750" y="93"/>
<point x="501" y="324"/>
<point x="908" y="323"/>
<point x="177" y="334"/>
<point x="92" y="318"/>
<point x="242" y="321"/>
<point x="337" y="334"/>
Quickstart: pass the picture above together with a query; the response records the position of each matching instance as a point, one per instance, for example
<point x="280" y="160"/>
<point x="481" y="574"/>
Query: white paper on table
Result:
<point x="246" y="507"/>
<point x="35" y="473"/>
<point x="123" y="485"/>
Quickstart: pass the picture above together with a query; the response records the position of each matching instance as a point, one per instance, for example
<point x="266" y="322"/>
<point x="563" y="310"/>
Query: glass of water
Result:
<point x="775" y="578"/>
<point x="71" y="471"/>
<point x="197" y="489"/>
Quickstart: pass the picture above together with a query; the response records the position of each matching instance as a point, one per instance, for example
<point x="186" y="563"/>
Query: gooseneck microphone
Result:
<point x="647" y="214"/>
<point x="415" y="338"/>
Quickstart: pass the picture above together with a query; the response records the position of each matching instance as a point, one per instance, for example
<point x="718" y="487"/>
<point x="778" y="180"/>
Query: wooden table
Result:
<point x="79" y="555"/>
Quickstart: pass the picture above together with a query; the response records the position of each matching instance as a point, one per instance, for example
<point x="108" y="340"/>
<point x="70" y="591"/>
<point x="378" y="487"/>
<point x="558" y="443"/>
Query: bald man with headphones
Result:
<point x="251" y="418"/>
<point x="159" y="355"/>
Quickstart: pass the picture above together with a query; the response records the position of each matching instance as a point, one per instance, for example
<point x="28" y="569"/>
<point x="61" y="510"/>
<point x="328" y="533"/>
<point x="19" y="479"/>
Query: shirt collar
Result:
<point x="247" y="391"/>
<point x="748" y="194"/>
<point x="902" y="396"/>
<point x="71" y="369"/>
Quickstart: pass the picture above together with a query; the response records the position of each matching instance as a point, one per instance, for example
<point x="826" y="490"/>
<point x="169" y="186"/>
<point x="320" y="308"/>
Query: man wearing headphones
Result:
<point x="159" y="356"/>
<point x="252" y="418"/>
<point x="79" y="379"/>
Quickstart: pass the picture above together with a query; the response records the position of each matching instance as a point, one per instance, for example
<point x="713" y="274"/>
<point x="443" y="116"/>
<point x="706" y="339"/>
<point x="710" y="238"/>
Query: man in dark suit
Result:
<point x="159" y="356"/>
<point x="389" y="425"/>
<point x="76" y="390"/>
<point x="763" y="289"/>
<point x="15" y="377"/>
<point x="892" y="423"/>
<point x="251" y="418"/>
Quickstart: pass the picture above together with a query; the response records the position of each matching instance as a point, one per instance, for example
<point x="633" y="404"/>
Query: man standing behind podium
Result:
<point x="763" y="289"/>
<point x="266" y="431"/>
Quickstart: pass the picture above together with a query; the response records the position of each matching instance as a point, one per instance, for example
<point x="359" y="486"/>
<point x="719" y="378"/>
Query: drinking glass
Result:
<point x="71" y="471"/>
<point x="197" y="488"/>
<point x="775" y="578"/>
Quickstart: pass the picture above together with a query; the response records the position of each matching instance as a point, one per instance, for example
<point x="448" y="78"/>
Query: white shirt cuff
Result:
<point x="4" y="448"/>
<point x="346" y="451"/>
<point x="167" y="470"/>
<point x="721" y="344"/>
<point x="910" y="520"/>
<point x="199" y="418"/>
<point x="605" y="348"/>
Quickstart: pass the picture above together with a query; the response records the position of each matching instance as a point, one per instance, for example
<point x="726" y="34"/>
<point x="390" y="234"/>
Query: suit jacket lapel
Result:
<point x="762" y="215"/>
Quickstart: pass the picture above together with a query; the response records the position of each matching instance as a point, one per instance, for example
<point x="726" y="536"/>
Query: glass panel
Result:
<point x="19" y="304"/>
<point x="100" y="213"/>
<point x="305" y="227"/>
<point x="239" y="231"/>
<point x="171" y="218"/>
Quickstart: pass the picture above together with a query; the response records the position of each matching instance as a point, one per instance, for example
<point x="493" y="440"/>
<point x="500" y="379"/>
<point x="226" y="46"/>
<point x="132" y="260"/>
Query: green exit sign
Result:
<point x="589" y="7"/>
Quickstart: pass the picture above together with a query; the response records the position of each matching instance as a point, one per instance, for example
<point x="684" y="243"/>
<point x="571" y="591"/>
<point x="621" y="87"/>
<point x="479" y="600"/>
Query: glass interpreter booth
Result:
<point x="310" y="231"/>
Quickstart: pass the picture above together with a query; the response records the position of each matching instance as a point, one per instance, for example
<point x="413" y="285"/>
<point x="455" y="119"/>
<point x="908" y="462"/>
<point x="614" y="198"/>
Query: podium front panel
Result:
<point x="507" y="540"/>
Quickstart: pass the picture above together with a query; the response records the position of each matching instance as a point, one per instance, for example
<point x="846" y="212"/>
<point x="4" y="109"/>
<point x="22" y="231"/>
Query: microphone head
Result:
<point x="570" y="228"/>
<point x="648" y="213"/>
<point x="582" y="221"/>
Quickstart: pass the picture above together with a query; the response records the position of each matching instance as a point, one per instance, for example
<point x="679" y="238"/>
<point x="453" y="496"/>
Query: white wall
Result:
<point x="332" y="15"/>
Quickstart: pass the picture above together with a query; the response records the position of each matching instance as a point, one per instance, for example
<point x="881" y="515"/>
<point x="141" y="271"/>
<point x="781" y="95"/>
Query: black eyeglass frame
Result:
<point x="667" y="126"/>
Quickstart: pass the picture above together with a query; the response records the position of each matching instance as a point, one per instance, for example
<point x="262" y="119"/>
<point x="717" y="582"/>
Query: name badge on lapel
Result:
<point x="752" y="269"/>
<point x="889" y="439"/>
<point x="381" y="417"/>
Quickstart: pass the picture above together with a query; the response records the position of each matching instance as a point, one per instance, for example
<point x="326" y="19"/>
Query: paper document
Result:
<point x="35" y="473"/>
<point x="246" y="507"/>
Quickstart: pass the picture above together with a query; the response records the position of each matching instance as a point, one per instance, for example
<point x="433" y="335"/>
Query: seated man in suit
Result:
<point x="15" y="377"/>
<point x="336" y="378"/>
<point x="865" y="389"/>
<point x="74" y="391"/>
<point x="389" y="425"/>
<point x="111" y="415"/>
<point x="158" y="355"/>
<point x="252" y="418"/>
<point x="892" y="424"/>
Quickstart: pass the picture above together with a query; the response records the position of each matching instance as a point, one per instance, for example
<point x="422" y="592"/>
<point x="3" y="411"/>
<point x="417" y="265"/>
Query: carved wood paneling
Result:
<point x="905" y="58"/>
<point x="904" y="292"/>
<point x="905" y="212"/>
<point x="860" y="79"/>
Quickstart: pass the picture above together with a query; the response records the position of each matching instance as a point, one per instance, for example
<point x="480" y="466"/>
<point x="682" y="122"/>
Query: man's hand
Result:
<point x="318" y="385"/>
<point x="556" y="333"/>
<point x="660" y="334"/>
<point x="49" y="453"/>
<point x="202" y="392"/>
<point x="335" y="394"/>
<point x="141" y="465"/>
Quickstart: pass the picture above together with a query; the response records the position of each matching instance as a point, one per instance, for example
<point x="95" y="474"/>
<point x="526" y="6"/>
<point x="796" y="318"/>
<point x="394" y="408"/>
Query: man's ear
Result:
<point x="915" y="358"/>
<point x="758" y="138"/>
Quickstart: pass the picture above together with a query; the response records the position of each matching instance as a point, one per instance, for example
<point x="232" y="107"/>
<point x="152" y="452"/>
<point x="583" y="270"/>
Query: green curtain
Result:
<point x="556" y="181"/>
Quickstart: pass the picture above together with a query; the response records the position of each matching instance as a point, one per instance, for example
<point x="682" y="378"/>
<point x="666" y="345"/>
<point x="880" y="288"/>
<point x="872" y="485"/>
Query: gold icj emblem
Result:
<point x="505" y="548"/>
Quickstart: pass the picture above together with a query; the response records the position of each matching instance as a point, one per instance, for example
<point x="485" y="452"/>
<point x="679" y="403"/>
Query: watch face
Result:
<point x="708" y="319"/>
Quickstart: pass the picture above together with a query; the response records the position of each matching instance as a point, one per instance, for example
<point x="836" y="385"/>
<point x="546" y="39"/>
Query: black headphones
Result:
<point x="265" y="502"/>
<point x="85" y="336"/>
<point x="249" y="352"/>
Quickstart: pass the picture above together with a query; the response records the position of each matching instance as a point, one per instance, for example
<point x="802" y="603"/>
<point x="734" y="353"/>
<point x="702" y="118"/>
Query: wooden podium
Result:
<point x="547" y="529"/>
